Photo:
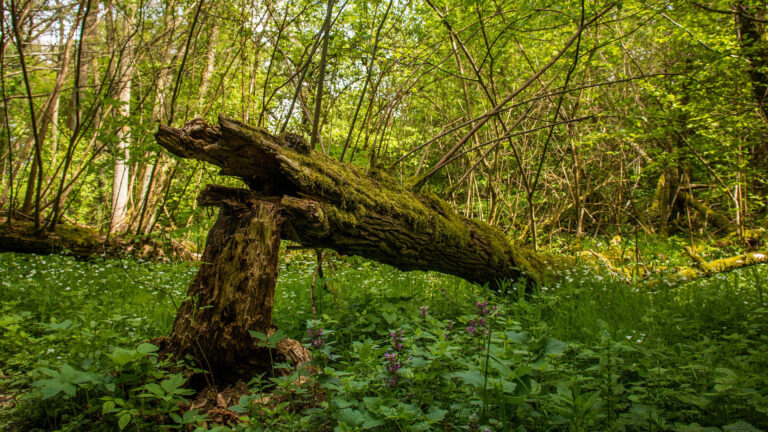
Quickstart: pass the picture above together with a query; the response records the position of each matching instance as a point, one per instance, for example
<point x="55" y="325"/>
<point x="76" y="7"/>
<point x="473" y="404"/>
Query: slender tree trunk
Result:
<point x="754" y="47"/>
<point x="36" y="170"/>
<point x="121" y="177"/>
<point x="205" y="80"/>
<point x="367" y="81"/>
<point x="315" y="137"/>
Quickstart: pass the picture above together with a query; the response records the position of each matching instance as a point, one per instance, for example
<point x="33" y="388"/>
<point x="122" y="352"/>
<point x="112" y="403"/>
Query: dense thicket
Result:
<point x="535" y="116"/>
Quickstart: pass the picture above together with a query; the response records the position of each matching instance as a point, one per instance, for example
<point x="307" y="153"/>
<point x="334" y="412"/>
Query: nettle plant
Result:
<point x="133" y="387"/>
<point x="475" y="370"/>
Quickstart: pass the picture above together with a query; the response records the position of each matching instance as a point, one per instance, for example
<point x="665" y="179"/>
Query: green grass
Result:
<point x="586" y="353"/>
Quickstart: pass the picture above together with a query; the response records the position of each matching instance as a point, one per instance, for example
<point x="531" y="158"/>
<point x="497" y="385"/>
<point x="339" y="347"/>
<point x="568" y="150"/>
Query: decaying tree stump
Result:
<point x="233" y="292"/>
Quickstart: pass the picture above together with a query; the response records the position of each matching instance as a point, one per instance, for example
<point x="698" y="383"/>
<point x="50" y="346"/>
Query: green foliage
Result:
<point x="393" y="351"/>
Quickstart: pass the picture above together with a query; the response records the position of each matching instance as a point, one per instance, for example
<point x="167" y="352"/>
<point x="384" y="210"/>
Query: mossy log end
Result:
<point x="328" y="204"/>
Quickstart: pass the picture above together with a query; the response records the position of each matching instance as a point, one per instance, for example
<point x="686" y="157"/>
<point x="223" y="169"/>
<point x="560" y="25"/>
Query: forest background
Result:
<point x="627" y="135"/>
<point x="588" y="116"/>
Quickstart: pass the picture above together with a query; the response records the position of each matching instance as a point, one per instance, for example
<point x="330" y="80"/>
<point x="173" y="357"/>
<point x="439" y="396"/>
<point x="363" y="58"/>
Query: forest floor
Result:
<point x="393" y="351"/>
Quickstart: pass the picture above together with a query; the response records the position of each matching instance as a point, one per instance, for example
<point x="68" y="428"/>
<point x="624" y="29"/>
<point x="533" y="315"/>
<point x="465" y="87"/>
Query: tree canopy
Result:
<point x="538" y="117"/>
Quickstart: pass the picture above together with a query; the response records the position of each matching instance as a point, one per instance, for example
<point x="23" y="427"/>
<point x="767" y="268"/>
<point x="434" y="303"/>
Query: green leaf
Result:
<point x="123" y="421"/>
<point x="49" y="387"/>
<point x="50" y="372"/>
<point x="67" y="372"/>
<point x="740" y="426"/>
<point x="258" y="335"/>
<point x="518" y="337"/>
<point x="472" y="377"/>
<point x="698" y="401"/>
<point x="172" y="383"/>
<point x="372" y="403"/>
<point x="436" y="414"/>
<point x="108" y="406"/>
<point x="371" y="422"/>
<point x="276" y="337"/>
<point x="500" y="366"/>
<point x="121" y="356"/>
<point x="343" y="403"/>
<point x="351" y="417"/>
<point x="64" y="325"/>
<point x="365" y="352"/>
<point x="390" y="317"/>
<point x="555" y="347"/>
<point x="147" y="348"/>
<point x="155" y="389"/>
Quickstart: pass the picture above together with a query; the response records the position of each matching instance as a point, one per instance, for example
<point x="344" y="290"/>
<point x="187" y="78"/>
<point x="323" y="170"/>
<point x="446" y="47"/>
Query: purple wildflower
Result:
<point x="392" y="366"/>
<point x="479" y="324"/>
<point x="423" y="311"/>
<point x="397" y="340"/>
<point x="316" y="339"/>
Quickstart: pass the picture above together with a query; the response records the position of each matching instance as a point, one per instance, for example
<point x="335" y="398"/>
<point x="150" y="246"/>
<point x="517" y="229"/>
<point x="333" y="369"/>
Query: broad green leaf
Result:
<point x="147" y="348"/>
<point x="123" y="421"/>
<point x="740" y="426"/>
<point x="472" y="377"/>
<point x="518" y="337"/>
<point x="351" y="417"/>
<point x="172" y="383"/>
<point x="436" y="414"/>
<point x="258" y="335"/>
<point x="555" y="347"/>
<point x="121" y="356"/>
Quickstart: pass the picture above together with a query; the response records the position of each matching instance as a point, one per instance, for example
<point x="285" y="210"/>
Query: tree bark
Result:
<point x="233" y="293"/>
<point x="329" y="204"/>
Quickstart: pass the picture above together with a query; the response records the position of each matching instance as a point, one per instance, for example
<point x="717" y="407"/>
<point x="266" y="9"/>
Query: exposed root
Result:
<point x="293" y="351"/>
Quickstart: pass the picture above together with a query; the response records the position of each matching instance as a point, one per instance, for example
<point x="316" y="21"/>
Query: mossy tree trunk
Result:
<point x="671" y="198"/>
<point x="328" y="204"/>
<point x="82" y="242"/>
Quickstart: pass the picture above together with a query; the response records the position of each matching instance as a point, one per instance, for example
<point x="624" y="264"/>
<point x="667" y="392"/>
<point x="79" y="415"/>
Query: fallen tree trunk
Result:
<point x="320" y="203"/>
<point x="22" y="237"/>
<point x="721" y="222"/>
<point x="703" y="268"/>
<point x="328" y="204"/>
<point x="673" y="276"/>
<point x="83" y="242"/>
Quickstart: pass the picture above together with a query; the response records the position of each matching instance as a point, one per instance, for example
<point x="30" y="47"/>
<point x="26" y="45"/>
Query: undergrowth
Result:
<point x="393" y="351"/>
